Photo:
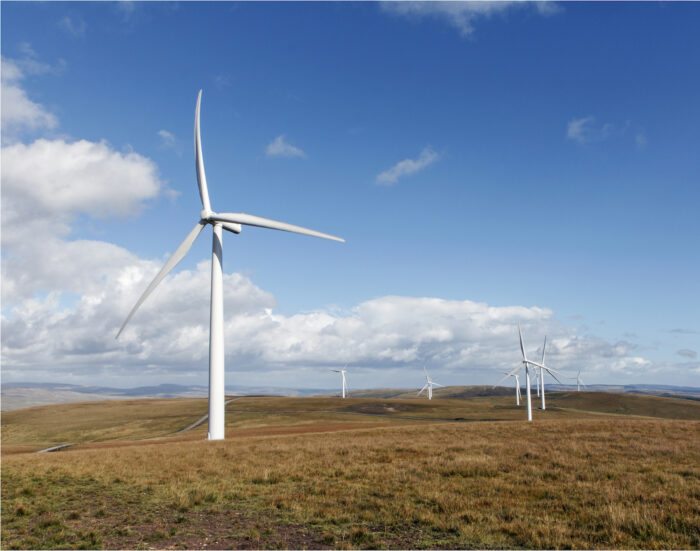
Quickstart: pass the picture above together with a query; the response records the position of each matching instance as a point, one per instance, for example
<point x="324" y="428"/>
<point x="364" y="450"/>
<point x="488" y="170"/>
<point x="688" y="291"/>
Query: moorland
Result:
<point x="464" y="470"/>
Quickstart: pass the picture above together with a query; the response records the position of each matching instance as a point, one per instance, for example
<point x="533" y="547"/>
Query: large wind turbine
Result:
<point x="342" y="374"/>
<point x="227" y="221"/>
<point x="429" y="385"/>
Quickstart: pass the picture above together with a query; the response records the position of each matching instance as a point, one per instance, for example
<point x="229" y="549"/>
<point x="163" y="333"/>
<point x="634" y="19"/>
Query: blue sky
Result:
<point x="540" y="161"/>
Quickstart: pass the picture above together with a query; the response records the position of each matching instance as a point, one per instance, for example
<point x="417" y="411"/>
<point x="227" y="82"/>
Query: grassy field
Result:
<point x="327" y="473"/>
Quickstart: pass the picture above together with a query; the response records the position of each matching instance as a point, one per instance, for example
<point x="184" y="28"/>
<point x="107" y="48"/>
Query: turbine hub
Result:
<point x="205" y="214"/>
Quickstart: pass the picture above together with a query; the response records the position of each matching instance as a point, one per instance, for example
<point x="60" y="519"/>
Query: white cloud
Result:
<point x="463" y="342"/>
<point x="462" y="15"/>
<point x="47" y="184"/>
<point x="407" y="166"/>
<point x="280" y="148"/>
<point x="76" y="28"/>
<point x="586" y="130"/>
<point x="19" y="113"/>
<point x="169" y="141"/>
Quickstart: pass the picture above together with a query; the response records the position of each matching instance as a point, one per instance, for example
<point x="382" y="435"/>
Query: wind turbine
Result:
<point x="429" y="385"/>
<point x="342" y="374"/>
<point x="527" y="363"/>
<point x="579" y="381"/>
<point x="549" y="370"/>
<point x="517" y="386"/>
<point x="232" y="222"/>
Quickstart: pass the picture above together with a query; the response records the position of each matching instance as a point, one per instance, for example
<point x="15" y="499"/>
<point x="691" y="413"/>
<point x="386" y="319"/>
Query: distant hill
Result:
<point x="458" y="392"/>
<point x="450" y="392"/>
<point x="24" y="395"/>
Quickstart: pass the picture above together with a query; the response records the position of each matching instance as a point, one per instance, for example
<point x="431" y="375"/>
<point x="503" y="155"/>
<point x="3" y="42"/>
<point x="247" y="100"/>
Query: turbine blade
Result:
<point x="543" y="348"/>
<point x="551" y="372"/>
<point x="436" y="384"/>
<point x="522" y="346"/>
<point x="233" y="228"/>
<point x="335" y="370"/>
<point x="252" y="220"/>
<point x="422" y="389"/>
<point x="199" y="160"/>
<point x="178" y="255"/>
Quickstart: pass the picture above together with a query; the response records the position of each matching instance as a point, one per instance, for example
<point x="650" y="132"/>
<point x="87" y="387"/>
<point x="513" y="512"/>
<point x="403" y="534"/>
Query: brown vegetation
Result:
<point x="596" y="482"/>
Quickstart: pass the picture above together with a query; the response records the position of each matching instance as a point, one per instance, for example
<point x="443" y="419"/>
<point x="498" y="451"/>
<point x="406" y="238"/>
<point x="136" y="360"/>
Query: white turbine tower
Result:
<point x="429" y="385"/>
<point x="579" y="381"/>
<point x="517" y="386"/>
<point x="219" y="221"/>
<point x="342" y="374"/>
<point x="527" y="363"/>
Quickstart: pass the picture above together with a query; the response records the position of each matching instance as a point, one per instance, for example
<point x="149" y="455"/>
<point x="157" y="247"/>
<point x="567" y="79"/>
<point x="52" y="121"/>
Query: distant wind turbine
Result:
<point x="517" y="386"/>
<point x="231" y="222"/>
<point x="429" y="385"/>
<point x="527" y="363"/>
<point x="342" y="374"/>
<point x="579" y="381"/>
<point x="549" y="370"/>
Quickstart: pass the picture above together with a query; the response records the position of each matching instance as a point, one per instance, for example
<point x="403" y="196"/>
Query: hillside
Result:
<point x="86" y="423"/>
<point x="595" y="482"/>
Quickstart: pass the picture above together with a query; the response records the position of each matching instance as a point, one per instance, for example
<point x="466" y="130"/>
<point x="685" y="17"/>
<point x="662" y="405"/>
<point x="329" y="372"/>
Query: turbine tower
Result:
<point x="429" y="385"/>
<point x="342" y="374"/>
<point x="233" y="223"/>
<point x="579" y="381"/>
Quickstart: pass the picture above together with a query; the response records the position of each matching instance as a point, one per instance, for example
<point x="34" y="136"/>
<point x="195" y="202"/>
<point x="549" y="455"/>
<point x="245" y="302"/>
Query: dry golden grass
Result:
<point x="556" y="483"/>
<point x="43" y="426"/>
<point x="130" y="420"/>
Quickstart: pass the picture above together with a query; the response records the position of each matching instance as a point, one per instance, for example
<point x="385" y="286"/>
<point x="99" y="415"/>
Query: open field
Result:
<point x="327" y="473"/>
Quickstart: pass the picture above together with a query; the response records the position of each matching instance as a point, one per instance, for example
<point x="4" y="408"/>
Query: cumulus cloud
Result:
<point x="464" y="341"/>
<point x="46" y="185"/>
<point x="461" y="15"/>
<point x="280" y="148"/>
<point x="19" y="113"/>
<point x="406" y="167"/>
